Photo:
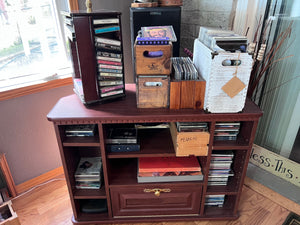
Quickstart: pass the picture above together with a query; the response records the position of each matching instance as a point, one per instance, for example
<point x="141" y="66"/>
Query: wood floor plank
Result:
<point x="49" y="204"/>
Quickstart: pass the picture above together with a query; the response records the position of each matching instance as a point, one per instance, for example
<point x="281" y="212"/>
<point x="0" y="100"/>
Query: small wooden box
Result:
<point x="189" y="143"/>
<point x="8" y="214"/>
<point x="187" y="94"/>
<point x="145" y="64"/>
<point x="153" y="91"/>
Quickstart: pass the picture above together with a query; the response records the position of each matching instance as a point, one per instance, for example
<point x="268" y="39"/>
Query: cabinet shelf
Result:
<point x="214" y="212"/>
<point x="126" y="174"/>
<point x="153" y="143"/>
<point x="89" y="193"/>
<point x="222" y="189"/>
<point x="236" y="144"/>
<point x="82" y="141"/>
<point x="90" y="217"/>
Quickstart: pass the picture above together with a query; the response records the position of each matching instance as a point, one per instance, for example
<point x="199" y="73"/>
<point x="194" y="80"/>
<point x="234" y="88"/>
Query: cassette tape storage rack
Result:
<point x="95" y="41"/>
<point x="121" y="198"/>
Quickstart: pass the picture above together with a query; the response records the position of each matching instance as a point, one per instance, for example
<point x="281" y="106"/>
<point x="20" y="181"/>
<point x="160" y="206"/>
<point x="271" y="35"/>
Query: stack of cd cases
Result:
<point x="184" y="68"/>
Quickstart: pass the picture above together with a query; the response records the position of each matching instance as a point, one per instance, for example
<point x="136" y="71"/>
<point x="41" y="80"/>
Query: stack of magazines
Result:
<point x="88" y="173"/>
<point x="169" y="169"/>
<point x="220" y="167"/>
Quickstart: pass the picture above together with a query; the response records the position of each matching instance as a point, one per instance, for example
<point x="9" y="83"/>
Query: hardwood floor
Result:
<point x="49" y="204"/>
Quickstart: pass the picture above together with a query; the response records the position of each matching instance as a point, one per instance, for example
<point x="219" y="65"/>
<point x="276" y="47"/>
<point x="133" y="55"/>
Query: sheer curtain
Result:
<point x="278" y="94"/>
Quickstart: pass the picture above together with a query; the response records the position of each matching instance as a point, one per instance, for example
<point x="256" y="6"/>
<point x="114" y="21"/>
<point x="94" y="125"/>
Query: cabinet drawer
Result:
<point x="173" y="199"/>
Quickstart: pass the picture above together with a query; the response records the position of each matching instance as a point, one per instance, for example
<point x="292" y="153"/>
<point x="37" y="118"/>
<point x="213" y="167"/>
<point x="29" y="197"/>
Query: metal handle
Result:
<point x="157" y="191"/>
<point x="152" y="84"/>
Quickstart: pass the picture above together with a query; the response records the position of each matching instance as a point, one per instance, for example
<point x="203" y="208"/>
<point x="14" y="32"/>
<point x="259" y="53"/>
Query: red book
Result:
<point x="168" y="164"/>
<point x="109" y="62"/>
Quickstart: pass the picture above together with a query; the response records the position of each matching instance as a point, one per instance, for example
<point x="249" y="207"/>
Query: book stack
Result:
<point x="88" y="173"/>
<point x="220" y="167"/>
<point x="226" y="131"/>
<point x="168" y="169"/>
<point x="122" y="139"/>
<point x="191" y="126"/>
<point x="109" y="57"/>
<point x="215" y="200"/>
<point x="82" y="130"/>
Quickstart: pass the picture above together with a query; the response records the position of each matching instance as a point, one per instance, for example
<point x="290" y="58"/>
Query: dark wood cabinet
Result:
<point x="130" y="201"/>
<point x="81" y="32"/>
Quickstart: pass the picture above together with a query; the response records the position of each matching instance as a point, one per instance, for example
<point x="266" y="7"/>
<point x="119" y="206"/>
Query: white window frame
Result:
<point x="18" y="92"/>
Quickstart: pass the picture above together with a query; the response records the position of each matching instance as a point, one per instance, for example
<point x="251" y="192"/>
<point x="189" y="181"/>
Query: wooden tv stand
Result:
<point x="126" y="199"/>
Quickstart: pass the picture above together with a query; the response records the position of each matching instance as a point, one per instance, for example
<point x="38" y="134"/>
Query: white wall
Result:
<point x="27" y="137"/>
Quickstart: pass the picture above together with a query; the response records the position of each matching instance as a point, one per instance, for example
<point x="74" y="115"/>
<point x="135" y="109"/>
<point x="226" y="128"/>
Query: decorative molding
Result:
<point x="39" y="180"/>
<point x="18" y="92"/>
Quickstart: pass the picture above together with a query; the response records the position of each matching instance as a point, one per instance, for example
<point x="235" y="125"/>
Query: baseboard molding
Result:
<point x="39" y="180"/>
<point x="272" y="195"/>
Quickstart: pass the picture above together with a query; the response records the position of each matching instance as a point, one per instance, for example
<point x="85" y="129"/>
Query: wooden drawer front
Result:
<point x="134" y="201"/>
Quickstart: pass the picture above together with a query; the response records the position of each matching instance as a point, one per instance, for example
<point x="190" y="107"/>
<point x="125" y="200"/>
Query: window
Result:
<point x="32" y="49"/>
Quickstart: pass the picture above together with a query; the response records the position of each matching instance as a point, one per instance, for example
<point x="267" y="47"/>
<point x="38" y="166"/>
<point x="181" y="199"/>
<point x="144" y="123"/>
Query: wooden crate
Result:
<point x="189" y="143"/>
<point x="187" y="94"/>
<point x="153" y="91"/>
<point x="8" y="214"/>
<point x="147" y="65"/>
<point x="226" y="86"/>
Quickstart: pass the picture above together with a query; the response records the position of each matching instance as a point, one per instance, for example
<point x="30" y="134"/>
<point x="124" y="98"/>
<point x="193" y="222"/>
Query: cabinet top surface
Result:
<point x="93" y="13"/>
<point x="125" y="111"/>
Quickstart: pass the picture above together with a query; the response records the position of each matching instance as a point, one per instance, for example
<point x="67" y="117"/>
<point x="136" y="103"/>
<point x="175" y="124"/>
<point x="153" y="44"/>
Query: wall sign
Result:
<point x="276" y="164"/>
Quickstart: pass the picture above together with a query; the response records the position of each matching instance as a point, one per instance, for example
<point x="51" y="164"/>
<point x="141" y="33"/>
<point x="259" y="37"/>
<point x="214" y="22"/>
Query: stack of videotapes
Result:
<point x="109" y="52"/>
<point x="122" y="138"/>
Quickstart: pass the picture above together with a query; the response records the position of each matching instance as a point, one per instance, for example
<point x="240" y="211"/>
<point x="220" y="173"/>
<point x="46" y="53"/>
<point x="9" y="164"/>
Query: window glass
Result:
<point x="31" y="46"/>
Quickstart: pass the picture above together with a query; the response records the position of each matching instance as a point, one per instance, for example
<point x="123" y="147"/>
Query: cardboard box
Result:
<point x="189" y="143"/>
<point x="153" y="91"/>
<point x="187" y="94"/>
<point x="153" y="59"/>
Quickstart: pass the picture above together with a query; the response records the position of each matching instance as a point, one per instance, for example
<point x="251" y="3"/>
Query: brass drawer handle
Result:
<point x="157" y="191"/>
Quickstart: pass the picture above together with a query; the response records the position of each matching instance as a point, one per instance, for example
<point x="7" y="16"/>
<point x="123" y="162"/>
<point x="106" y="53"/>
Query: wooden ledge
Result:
<point x="5" y="95"/>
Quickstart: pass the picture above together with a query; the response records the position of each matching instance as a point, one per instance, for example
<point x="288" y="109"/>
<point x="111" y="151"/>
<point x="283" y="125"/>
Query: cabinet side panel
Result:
<point x="86" y="55"/>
